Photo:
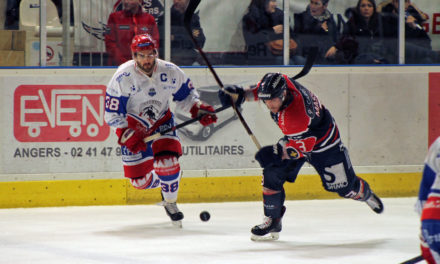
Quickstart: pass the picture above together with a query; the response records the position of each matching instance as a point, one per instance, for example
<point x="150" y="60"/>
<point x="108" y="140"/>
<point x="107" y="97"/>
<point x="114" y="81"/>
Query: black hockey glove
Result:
<point x="231" y="92"/>
<point x="269" y="155"/>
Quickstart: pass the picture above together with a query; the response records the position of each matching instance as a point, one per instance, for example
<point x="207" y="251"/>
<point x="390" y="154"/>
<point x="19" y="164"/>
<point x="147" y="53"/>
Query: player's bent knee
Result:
<point x="138" y="170"/>
<point x="167" y="167"/>
<point x="274" y="178"/>
<point x="147" y="181"/>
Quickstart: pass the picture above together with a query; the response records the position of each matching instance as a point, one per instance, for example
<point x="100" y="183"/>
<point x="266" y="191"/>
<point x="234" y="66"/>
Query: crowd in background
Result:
<point x="366" y="34"/>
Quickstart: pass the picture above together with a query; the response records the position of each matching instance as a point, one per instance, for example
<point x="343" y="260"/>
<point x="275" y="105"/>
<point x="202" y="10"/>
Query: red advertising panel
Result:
<point x="434" y="107"/>
<point x="54" y="113"/>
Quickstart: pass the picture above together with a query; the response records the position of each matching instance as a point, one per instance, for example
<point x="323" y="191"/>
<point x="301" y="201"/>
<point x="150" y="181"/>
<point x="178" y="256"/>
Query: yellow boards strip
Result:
<point x="192" y="190"/>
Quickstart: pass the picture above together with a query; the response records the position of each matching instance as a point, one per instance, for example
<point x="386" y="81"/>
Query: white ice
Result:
<point x="314" y="232"/>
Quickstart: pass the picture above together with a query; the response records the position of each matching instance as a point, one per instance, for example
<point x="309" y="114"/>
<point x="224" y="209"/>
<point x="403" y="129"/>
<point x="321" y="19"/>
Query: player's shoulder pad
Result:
<point x="124" y="70"/>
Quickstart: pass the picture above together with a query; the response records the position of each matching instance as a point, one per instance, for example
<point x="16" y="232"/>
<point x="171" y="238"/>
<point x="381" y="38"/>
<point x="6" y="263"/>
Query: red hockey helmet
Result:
<point x="142" y="42"/>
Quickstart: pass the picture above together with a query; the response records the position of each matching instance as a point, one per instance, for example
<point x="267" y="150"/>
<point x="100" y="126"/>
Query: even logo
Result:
<point x="54" y="113"/>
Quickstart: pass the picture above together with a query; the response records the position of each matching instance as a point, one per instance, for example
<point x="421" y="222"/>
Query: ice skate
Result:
<point x="174" y="213"/>
<point x="375" y="203"/>
<point x="269" y="230"/>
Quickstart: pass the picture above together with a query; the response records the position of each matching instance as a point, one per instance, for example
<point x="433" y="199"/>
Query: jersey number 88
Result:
<point x="111" y="103"/>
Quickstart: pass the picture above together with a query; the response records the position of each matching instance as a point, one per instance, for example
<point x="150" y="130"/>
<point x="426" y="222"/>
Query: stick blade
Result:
<point x="311" y="57"/>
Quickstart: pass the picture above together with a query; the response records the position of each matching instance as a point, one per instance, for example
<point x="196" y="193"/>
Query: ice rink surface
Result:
<point x="314" y="232"/>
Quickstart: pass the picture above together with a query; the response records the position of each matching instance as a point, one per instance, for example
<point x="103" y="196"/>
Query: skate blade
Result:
<point x="269" y="237"/>
<point x="177" y="224"/>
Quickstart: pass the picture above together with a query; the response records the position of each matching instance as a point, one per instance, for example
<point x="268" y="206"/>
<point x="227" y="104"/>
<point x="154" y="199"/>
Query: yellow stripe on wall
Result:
<point x="62" y="193"/>
<point x="192" y="190"/>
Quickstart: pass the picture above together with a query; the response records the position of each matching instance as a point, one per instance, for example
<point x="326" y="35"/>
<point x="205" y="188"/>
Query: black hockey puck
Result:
<point x="204" y="216"/>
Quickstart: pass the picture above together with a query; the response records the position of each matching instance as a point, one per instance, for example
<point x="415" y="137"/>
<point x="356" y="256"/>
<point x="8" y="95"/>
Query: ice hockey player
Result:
<point x="311" y="135"/>
<point x="428" y="205"/>
<point x="137" y="105"/>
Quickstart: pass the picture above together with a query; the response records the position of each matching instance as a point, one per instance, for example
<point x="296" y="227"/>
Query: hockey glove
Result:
<point x="207" y="112"/>
<point x="133" y="136"/>
<point x="133" y="140"/>
<point x="232" y="93"/>
<point x="269" y="155"/>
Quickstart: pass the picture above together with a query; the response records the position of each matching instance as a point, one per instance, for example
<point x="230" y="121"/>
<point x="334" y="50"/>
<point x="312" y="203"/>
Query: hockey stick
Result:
<point x="413" y="260"/>
<point x="192" y="6"/>
<point x="311" y="57"/>
<point x="157" y="135"/>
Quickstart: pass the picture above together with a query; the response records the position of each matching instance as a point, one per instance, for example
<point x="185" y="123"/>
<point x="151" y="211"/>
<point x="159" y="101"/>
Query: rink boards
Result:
<point x="192" y="190"/>
<point x="56" y="149"/>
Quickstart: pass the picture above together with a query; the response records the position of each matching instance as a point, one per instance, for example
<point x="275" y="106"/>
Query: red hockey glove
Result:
<point x="206" y="110"/>
<point x="133" y="136"/>
<point x="133" y="140"/>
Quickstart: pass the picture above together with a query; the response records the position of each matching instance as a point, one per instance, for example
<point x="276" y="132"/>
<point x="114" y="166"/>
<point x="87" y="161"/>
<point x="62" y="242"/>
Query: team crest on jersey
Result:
<point x="152" y="92"/>
<point x="150" y="112"/>
<point x="292" y="153"/>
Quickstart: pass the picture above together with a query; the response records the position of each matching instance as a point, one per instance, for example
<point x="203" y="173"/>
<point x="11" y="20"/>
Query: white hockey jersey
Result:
<point x="429" y="193"/>
<point x="132" y="92"/>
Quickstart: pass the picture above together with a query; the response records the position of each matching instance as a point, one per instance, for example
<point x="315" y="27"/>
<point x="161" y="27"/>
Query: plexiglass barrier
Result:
<point x="230" y="32"/>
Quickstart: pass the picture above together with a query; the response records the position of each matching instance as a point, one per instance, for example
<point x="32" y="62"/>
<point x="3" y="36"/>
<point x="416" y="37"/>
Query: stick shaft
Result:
<point x="183" y="124"/>
<point x="413" y="260"/>
<point x="187" y="23"/>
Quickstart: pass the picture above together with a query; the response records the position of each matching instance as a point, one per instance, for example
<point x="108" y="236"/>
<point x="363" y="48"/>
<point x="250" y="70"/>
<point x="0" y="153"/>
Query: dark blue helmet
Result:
<point x="272" y="86"/>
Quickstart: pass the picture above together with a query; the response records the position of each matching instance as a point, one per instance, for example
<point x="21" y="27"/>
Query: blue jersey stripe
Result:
<point x="183" y="92"/>
<point x="427" y="181"/>
<point x="116" y="104"/>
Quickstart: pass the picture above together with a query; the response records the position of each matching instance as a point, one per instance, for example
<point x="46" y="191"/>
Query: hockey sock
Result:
<point x="170" y="190"/>
<point x="168" y="170"/>
<point x="273" y="204"/>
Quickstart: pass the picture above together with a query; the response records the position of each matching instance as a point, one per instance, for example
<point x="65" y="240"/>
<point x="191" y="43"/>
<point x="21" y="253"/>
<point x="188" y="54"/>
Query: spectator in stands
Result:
<point x="183" y="51"/>
<point x="123" y="26"/>
<point x="12" y="14"/>
<point x="154" y="8"/>
<point x="316" y="27"/>
<point x="417" y="42"/>
<point x="263" y="34"/>
<point x="59" y="5"/>
<point x="392" y="6"/>
<point x="375" y="35"/>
